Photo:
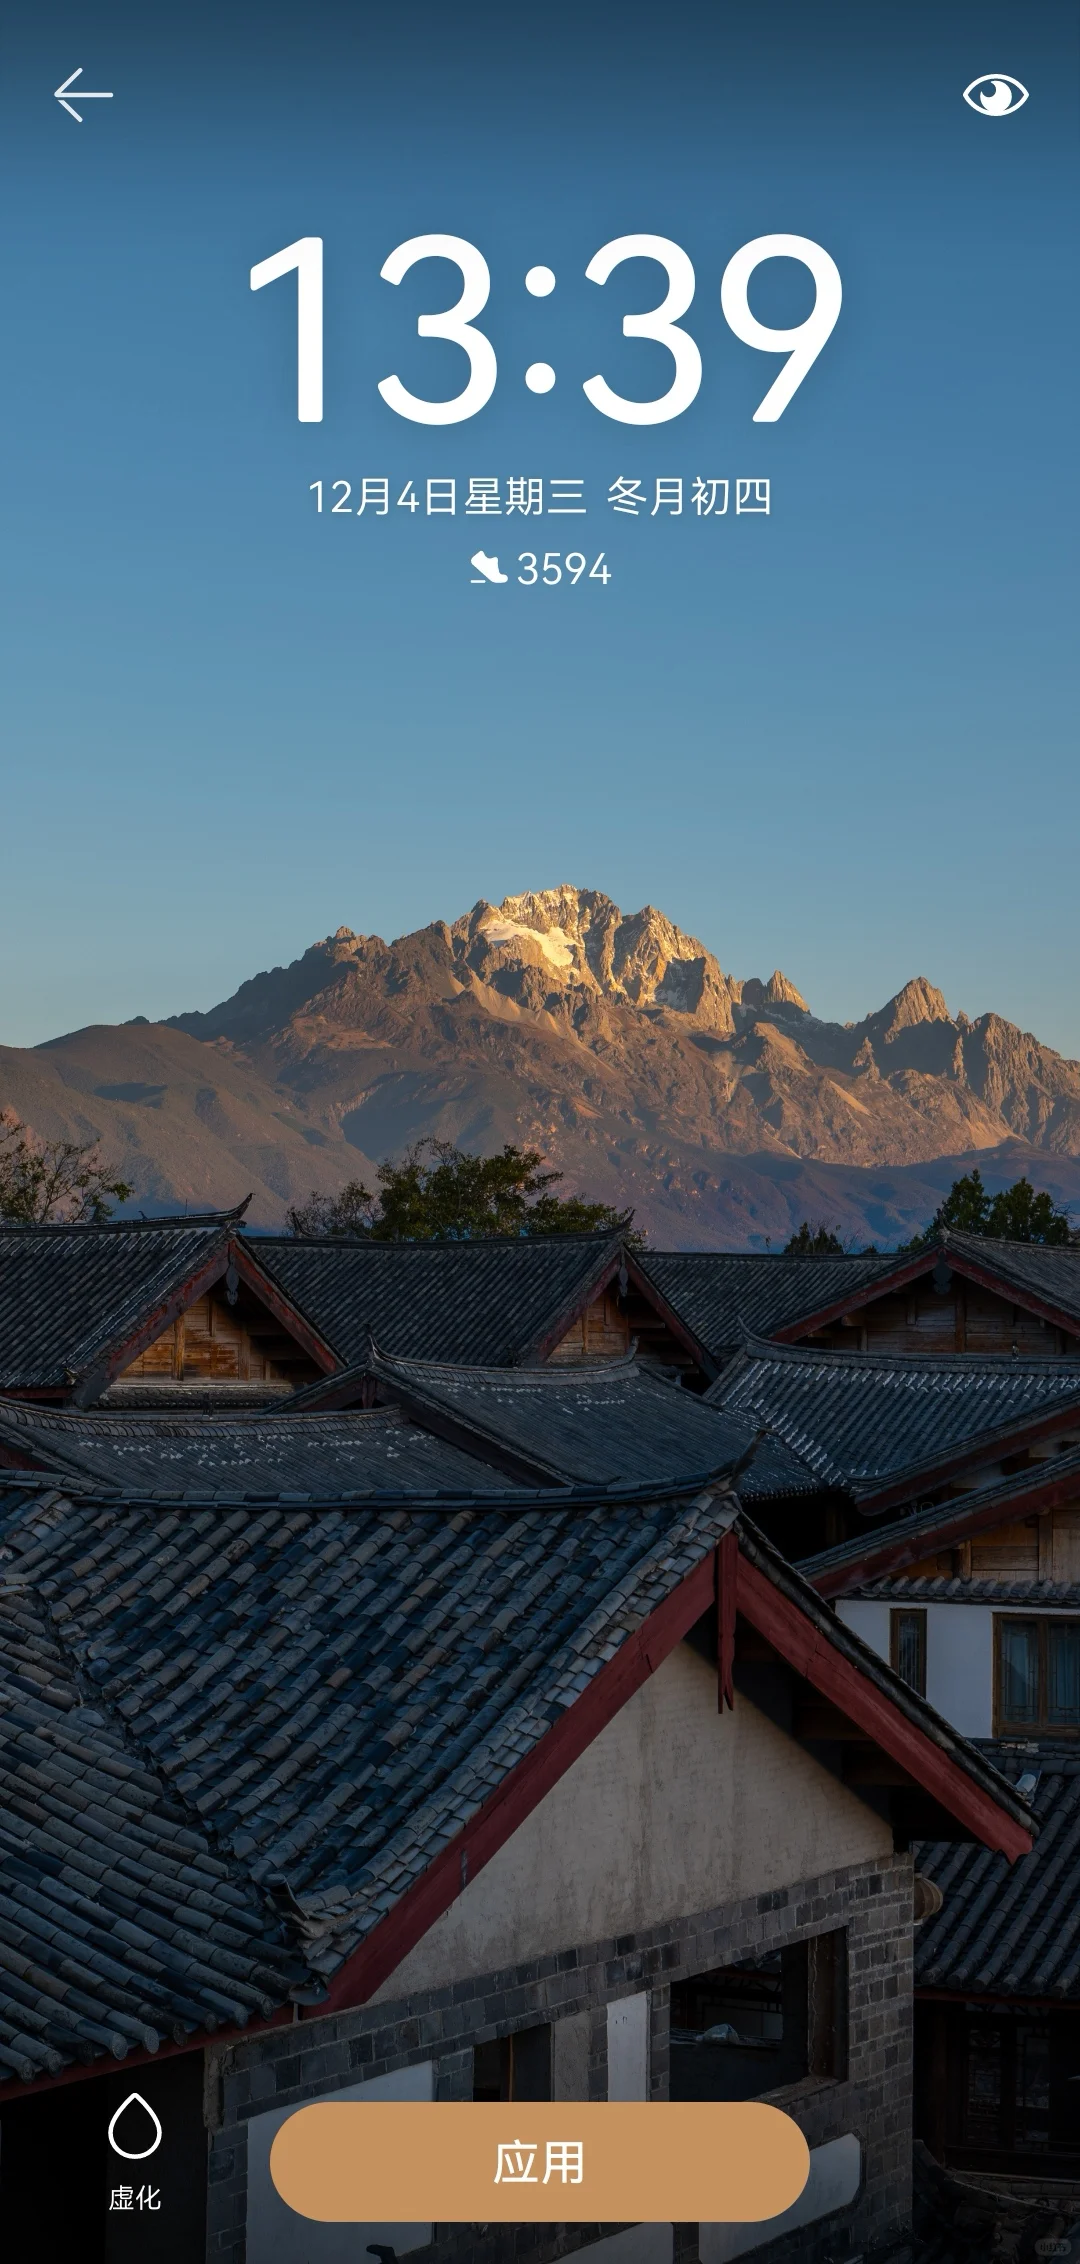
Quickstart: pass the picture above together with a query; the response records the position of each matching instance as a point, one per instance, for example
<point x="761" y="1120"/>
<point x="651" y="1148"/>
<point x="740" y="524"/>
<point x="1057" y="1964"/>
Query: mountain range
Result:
<point x="722" y="1108"/>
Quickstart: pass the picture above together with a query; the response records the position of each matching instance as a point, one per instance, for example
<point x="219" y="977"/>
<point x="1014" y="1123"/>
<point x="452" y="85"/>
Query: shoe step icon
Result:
<point x="487" y="569"/>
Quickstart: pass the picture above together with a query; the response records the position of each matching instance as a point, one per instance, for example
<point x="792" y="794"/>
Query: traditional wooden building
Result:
<point x="883" y="1433"/>
<point x="189" y="1312"/>
<point x="494" y="1303"/>
<point x="147" y="1309"/>
<point x="964" y="1293"/>
<point x="975" y="1598"/>
<point x="587" y="1800"/>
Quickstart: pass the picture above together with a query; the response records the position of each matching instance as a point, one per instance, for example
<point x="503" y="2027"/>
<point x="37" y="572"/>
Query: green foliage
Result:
<point x="342" y="1217"/>
<point x="814" y="1241"/>
<point x="46" y="1182"/>
<point x="1016" y="1214"/>
<point x="438" y="1193"/>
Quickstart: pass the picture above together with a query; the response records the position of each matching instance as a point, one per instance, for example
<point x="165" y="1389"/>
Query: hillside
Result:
<point x="723" y="1108"/>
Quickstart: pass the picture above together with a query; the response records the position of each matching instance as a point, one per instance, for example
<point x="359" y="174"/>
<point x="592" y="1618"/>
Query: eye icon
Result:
<point x="996" y="95"/>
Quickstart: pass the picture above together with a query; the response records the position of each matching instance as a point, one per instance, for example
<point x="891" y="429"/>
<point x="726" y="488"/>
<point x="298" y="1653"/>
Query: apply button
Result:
<point x="456" y="2162"/>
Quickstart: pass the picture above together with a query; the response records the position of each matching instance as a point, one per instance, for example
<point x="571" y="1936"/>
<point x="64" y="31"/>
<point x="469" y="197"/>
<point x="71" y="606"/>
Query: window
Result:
<point x="907" y="1647"/>
<point x="742" y="2030"/>
<point x="1016" y="2095"/>
<point x="514" y="2067"/>
<point x="1038" y="1674"/>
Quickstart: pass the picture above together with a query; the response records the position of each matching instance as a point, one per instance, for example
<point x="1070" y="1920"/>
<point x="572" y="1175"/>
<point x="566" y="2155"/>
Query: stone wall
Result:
<point x="290" y="2065"/>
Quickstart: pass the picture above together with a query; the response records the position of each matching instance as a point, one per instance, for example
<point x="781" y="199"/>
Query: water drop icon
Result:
<point x="135" y="2153"/>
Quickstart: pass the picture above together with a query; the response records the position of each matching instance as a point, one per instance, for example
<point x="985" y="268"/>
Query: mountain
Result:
<point x="722" y="1108"/>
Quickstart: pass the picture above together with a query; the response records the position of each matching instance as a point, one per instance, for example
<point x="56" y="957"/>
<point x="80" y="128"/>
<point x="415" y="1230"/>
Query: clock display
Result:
<point x="662" y="323"/>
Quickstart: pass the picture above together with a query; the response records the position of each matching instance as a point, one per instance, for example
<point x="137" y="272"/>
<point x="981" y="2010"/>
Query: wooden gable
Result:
<point x="600" y="1332"/>
<point x="619" y="1317"/>
<point x="1045" y="1547"/>
<point x="967" y="1318"/>
<point x="218" y="1341"/>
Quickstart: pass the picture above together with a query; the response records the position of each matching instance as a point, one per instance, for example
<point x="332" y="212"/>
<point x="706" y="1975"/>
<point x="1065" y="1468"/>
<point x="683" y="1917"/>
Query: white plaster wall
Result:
<point x="959" y="1656"/>
<point x="870" y="1621"/>
<point x="674" y="1808"/>
<point x="628" y="2047"/>
<point x="960" y="1665"/>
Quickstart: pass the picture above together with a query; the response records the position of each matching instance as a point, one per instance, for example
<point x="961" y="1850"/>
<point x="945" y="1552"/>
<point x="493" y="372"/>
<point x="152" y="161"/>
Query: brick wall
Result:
<point x="287" y="2066"/>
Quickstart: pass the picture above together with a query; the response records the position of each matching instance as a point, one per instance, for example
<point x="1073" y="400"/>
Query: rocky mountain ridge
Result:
<point x="721" y="1106"/>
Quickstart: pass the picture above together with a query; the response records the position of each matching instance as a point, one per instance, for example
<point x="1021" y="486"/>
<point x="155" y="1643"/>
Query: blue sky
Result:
<point x="841" y="740"/>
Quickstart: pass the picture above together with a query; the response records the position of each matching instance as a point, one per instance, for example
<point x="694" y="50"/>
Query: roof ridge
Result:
<point x="169" y="1222"/>
<point x="1010" y="1242"/>
<point x="461" y="1242"/>
<point x="544" y="1373"/>
<point x="965" y="1363"/>
<point x="791" y="1257"/>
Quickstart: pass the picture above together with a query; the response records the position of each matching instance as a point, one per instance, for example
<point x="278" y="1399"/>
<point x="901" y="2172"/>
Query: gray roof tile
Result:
<point x="68" y="1293"/>
<point x="598" y="1422"/>
<point x="1011" y="1929"/>
<point x="720" y="1294"/>
<point x="859" y="1417"/>
<point x="255" y="1457"/>
<point x="484" y="1301"/>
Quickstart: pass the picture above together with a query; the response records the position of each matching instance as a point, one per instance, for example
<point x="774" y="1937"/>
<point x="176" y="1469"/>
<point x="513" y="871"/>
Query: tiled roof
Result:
<point x="485" y="1302"/>
<point x="597" y="1422"/>
<point x="330" y="1695"/>
<point x="121" y="1926"/>
<point x="69" y="1293"/>
<point x="857" y="1417"/>
<point x="721" y="1294"/>
<point x="941" y="1588"/>
<point x="1047" y="1271"/>
<point x="1011" y="1929"/>
<point x="335" y="1691"/>
<point x="906" y="1538"/>
<point x="252" y="1458"/>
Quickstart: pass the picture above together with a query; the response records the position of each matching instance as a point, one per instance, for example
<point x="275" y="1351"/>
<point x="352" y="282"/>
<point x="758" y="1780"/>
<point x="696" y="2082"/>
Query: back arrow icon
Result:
<point x="85" y="95"/>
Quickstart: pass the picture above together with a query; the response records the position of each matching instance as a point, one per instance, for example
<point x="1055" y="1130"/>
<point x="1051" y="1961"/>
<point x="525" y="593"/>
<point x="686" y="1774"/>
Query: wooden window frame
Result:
<point x="897" y="1612"/>
<point x="523" y="2061"/>
<point x="1041" y="1726"/>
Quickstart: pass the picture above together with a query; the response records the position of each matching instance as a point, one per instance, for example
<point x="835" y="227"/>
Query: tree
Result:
<point x="341" y="1217"/>
<point x="1015" y="1214"/>
<point x="814" y="1241"/>
<point x="52" y="1181"/>
<point x="439" y="1193"/>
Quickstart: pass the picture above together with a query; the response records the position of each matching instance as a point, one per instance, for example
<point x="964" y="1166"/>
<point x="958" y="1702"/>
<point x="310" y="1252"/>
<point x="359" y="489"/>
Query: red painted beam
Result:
<point x="1008" y="1290"/>
<point x="809" y="1651"/>
<point x="727" y="1580"/>
<point x="1011" y="1997"/>
<point x="960" y="1263"/>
